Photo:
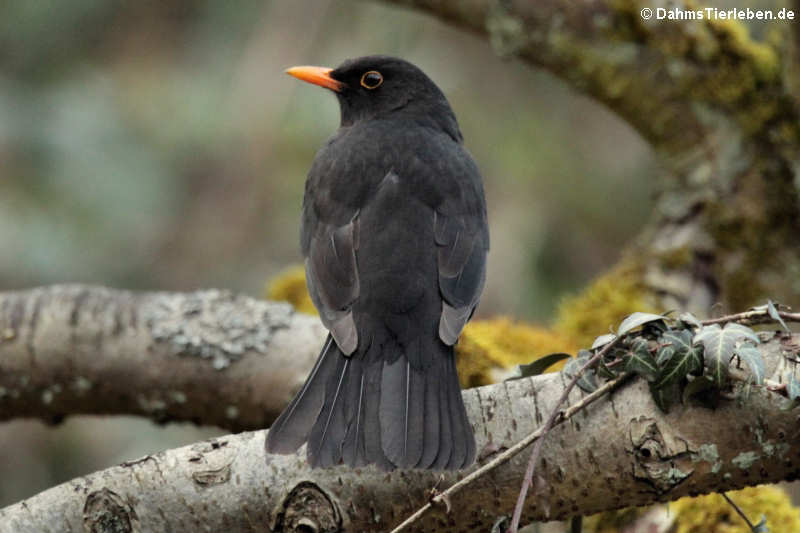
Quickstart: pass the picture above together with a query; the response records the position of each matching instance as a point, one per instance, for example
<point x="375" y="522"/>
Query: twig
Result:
<point x="773" y="386"/>
<point x="511" y="452"/>
<point x="754" y="316"/>
<point x="537" y="448"/>
<point x="738" y="510"/>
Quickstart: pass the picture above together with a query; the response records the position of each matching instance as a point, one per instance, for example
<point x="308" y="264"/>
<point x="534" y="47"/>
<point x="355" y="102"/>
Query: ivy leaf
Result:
<point x="688" y="318"/>
<point x="588" y="381"/>
<point x="664" y="354"/>
<point x="744" y="331"/>
<point x="685" y="360"/>
<point x="638" y="359"/>
<point x="682" y="340"/>
<point x="718" y="347"/>
<point x="751" y="356"/>
<point x="605" y="372"/>
<point x="773" y="313"/>
<point x="538" y="366"/>
<point x="602" y="340"/>
<point x="635" y="320"/>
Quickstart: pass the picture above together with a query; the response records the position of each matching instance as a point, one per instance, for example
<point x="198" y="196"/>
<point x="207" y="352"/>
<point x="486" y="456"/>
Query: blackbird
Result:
<point x="395" y="238"/>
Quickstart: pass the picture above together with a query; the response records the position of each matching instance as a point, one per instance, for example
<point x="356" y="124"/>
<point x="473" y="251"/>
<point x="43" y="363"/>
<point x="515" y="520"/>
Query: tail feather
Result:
<point x="293" y="426"/>
<point x="402" y="411"/>
<point x="353" y="451"/>
<point x="372" y="424"/>
<point x="327" y="435"/>
<point x="463" y="453"/>
<point x="445" y="421"/>
<point x="431" y="422"/>
<point x="379" y="406"/>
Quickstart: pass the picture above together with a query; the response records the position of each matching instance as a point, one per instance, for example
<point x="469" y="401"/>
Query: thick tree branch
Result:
<point x="210" y="356"/>
<point x="717" y="107"/>
<point x="620" y="452"/>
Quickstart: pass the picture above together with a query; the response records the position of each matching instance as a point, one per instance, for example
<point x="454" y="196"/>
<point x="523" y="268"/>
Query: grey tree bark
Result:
<point x="209" y="357"/>
<point x="620" y="452"/>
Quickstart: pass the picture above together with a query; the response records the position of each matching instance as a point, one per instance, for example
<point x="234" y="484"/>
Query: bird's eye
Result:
<point x="371" y="79"/>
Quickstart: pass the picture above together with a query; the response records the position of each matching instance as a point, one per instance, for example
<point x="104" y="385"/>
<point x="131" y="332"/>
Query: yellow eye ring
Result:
<point x="372" y="79"/>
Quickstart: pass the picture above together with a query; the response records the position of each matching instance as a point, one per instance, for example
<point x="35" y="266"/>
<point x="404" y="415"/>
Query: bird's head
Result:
<point x="377" y="86"/>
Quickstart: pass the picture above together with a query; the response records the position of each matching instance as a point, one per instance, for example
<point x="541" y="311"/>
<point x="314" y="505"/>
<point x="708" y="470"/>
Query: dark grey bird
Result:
<point x="395" y="237"/>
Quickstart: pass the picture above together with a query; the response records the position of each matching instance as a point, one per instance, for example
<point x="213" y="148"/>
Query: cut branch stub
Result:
<point x="661" y="461"/>
<point x="106" y="511"/>
<point x="308" y="509"/>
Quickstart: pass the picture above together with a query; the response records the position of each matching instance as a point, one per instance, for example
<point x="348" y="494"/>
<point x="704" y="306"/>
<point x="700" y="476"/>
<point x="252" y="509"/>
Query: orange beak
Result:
<point x="316" y="75"/>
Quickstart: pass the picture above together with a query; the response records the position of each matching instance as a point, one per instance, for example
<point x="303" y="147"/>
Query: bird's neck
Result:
<point x="435" y="115"/>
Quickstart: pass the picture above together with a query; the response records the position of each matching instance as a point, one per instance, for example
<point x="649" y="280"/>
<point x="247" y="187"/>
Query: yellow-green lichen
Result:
<point x="612" y="521"/>
<point x="603" y="305"/>
<point x="486" y="345"/>
<point x="676" y="258"/>
<point x="761" y="56"/>
<point x="290" y="286"/>
<point x="712" y="514"/>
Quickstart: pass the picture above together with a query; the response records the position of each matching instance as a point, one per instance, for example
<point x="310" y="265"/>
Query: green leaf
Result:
<point x="680" y="339"/>
<point x="744" y="331"/>
<point x="635" y="320"/>
<point x="685" y="360"/>
<point x="602" y="340"/>
<point x="719" y="345"/>
<point x="588" y="381"/>
<point x="538" y="366"/>
<point x="688" y="318"/>
<point x="604" y="372"/>
<point x="773" y="313"/>
<point x="664" y="354"/>
<point x="751" y="356"/>
<point x="638" y="359"/>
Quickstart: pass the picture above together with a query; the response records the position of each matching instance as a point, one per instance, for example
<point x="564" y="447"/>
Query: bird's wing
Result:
<point x="329" y="245"/>
<point x="461" y="255"/>
<point x="462" y="240"/>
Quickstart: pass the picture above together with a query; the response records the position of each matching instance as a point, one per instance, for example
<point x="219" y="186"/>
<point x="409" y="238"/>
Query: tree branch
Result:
<point x="210" y="357"/>
<point x="619" y="452"/>
<point x="719" y="111"/>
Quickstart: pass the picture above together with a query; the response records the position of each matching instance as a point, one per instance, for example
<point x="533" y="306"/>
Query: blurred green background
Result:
<point x="158" y="145"/>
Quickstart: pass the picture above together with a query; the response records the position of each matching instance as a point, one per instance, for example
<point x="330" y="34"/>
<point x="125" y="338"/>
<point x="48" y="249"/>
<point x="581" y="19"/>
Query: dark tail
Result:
<point x="381" y="405"/>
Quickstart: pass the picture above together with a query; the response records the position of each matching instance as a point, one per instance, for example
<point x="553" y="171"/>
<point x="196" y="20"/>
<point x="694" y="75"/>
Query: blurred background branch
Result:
<point x="718" y="107"/>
